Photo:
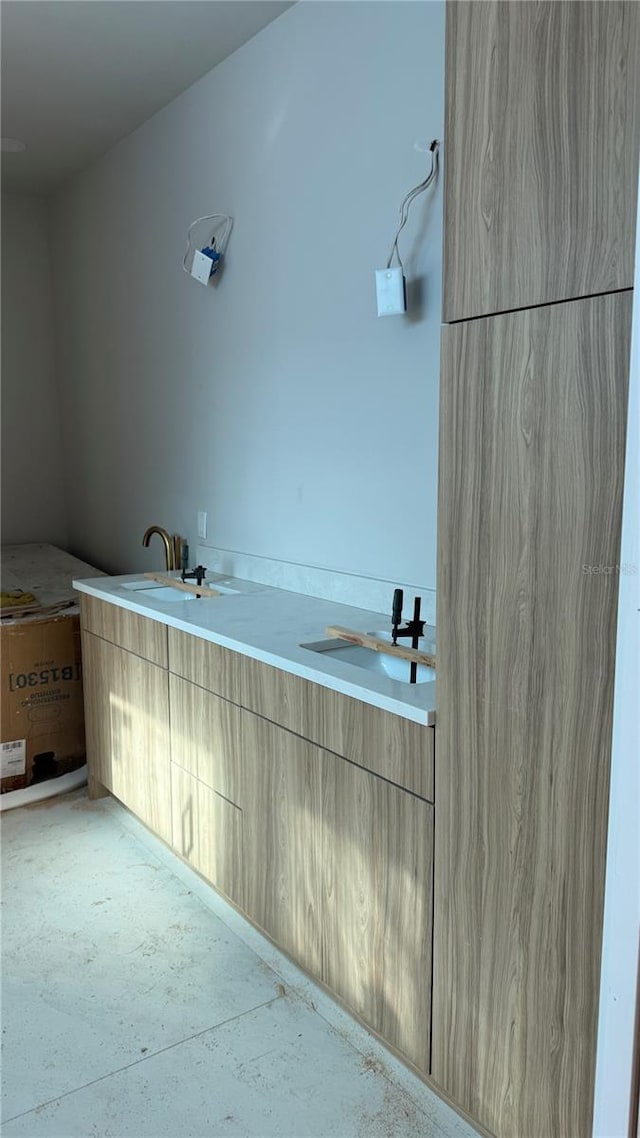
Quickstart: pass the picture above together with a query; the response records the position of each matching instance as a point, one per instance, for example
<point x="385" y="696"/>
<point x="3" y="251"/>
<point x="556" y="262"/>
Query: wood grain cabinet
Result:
<point x="206" y="737"/>
<point x="207" y="832"/>
<point x="138" y="634"/>
<point x="127" y="729"/>
<point x="541" y="159"/>
<point x="339" y="871"/>
<point x="223" y="758"/>
<point x="532" y="437"/>
<point x="397" y="749"/>
<point x="377" y="873"/>
<point x="282" y="806"/>
<point x="206" y="769"/>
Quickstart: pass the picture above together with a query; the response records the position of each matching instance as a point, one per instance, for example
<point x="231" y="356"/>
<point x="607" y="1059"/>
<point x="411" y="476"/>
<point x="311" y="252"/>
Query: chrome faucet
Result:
<point x="168" y="544"/>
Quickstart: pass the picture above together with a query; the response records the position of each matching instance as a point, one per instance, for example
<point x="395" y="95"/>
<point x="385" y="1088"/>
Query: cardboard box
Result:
<point x="42" y="724"/>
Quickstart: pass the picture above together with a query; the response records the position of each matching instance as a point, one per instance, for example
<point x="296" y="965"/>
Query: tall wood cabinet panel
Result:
<point x="127" y="729"/>
<point x="377" y="859"/>
<point x="541" y="161"/>
<point x="532" y="435"/>
<point x="281" y="799"/>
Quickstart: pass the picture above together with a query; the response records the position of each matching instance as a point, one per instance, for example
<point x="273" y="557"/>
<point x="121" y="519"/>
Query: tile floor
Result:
<point x="137" y="1004"/>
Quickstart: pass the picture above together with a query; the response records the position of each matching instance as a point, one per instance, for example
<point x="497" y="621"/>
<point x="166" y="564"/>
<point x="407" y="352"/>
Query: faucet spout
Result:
<point x="166" y="540"/>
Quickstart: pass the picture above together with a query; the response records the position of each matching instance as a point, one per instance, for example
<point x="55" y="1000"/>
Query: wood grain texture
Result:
<point x="392" y="747"/>
<point x="207" y="832"/>
<point x="127" y="730"/>
<point x="541" y="161"/>
<point x="206" y="736"/>
<point x="378" y="904"/>
<point x="282" y="812"/>
<point x="206" y="664"/>
<point x="139" y="634"/>
<point x="532" y="436"/>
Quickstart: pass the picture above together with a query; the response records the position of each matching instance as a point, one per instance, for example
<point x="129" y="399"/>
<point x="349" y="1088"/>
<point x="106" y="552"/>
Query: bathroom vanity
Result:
<point x="299" y="786"/>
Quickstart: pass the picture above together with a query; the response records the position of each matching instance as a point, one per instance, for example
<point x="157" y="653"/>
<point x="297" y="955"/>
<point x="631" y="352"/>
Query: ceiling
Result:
<point x="79" y="75"/>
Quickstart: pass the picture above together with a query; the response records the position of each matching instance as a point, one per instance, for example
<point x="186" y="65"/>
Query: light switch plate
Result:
<point x="202" y="523"/>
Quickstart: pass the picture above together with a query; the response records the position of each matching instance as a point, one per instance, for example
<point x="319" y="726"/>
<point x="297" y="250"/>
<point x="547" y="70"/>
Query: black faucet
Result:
<point x="197" y="574"/>
<point x="414" y="628"/>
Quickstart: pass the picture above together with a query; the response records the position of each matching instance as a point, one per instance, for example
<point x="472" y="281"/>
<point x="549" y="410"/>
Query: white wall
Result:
<point x="33" y="507"/>
<point x="277" y="400"/>
<point x="621" y="938"/>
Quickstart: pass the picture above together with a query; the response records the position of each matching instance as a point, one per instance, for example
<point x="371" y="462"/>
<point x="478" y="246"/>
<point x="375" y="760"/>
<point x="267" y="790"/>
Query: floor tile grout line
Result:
<point x="142" y="1059"/>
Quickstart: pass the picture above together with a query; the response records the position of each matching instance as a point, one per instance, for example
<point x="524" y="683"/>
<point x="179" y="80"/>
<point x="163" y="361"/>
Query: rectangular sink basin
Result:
<point x="165" y="593"/>
<point x="170" y="593"/>
<point x="379" y="663"/>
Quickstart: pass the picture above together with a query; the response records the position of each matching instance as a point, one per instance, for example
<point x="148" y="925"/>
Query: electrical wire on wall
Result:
<point x="390" y="282"/>
<point x="207" y="259"/>
<point x="410" y="198"/>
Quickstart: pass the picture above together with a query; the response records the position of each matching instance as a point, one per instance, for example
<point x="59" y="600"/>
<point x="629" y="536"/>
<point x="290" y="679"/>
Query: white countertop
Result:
<point x="271" y="625"/>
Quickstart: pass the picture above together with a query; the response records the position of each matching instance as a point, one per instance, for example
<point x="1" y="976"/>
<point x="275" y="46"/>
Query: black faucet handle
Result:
<point x="396" y="612"/>
<point x="198" y="574"/>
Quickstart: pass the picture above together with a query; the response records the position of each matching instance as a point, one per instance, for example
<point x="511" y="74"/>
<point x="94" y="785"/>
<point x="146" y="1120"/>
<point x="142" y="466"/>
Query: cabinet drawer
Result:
<point x="138" y="634"/>
<point x="206" y="664"/>
<point x="207" y="832"/>
<point x="397" y="749"/>
<point x="205" y="736"/>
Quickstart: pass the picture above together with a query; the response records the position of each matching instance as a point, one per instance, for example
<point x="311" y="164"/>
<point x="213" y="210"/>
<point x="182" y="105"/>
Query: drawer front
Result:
<point x="209" y="665"/>
<point x="138" y="634"/>
<point x="394" y="748"/>
<point x="207" y="832"/>
<point x="206" y="736"/>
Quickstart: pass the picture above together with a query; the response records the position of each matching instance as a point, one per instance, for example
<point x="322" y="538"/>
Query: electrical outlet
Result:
<point x="202" y="523"/>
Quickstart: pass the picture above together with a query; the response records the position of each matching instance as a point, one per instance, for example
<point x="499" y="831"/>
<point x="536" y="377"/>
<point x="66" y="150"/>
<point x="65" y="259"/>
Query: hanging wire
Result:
<point x="414" y="193"/>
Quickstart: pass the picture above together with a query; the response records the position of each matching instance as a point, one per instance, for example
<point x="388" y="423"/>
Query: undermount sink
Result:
<point x="172" y="593"/>
<point x="380" y="663"/>
<point x="165" y="593"/>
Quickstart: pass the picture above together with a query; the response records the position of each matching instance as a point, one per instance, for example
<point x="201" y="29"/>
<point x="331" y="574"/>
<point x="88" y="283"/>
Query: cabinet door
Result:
<point x="205" y="736"/>
<point x="127" y="729"/>
<point x="532" y="438"/>
<point x="377" y="858"/>
<point x="281" y="800"/>
<point x="207" y="832"/>
<point x="541" y="161"/>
